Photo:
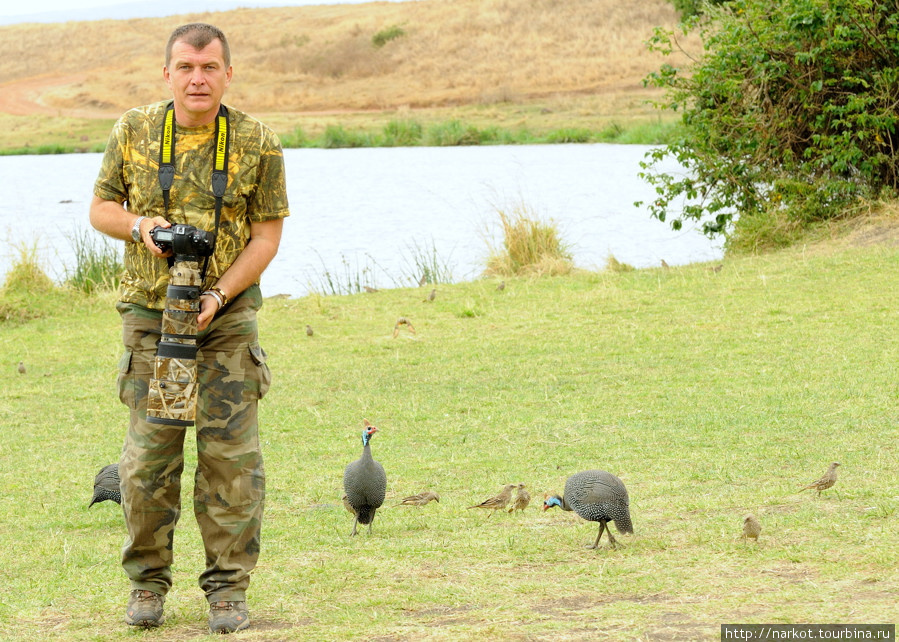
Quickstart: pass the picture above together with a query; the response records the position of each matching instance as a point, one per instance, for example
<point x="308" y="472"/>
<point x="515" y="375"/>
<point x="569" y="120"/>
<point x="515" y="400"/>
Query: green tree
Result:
<point x="792" y="107"/>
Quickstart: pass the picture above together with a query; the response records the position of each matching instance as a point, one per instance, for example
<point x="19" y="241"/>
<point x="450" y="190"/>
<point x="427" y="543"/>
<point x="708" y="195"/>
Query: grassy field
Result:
<point x="534" y="65"/>
<point x="712" y="394"/>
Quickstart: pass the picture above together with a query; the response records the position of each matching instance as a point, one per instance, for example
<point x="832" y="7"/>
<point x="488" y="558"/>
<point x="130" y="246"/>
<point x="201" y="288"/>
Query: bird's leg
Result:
<point x="355" y="521"/>
<point x="611" y="539"/>
<point x="602" y="527"/>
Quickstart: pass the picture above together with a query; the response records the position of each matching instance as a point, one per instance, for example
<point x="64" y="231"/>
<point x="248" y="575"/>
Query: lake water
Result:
<point x="373" y="211"/>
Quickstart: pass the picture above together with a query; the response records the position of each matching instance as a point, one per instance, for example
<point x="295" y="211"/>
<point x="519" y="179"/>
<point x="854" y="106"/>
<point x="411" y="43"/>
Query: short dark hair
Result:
<point x="198" y="35"/>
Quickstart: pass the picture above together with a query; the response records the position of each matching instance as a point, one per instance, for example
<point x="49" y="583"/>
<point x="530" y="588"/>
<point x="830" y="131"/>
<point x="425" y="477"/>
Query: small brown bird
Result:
<point x="828" y="480"/>
<point x="751" y="527"/>
<point x="421" y="499"/>
<point x="664" y="264"/>
<point x="423" y="280"/>
<point x="22" y="369"/>
<point x="309" y="331"/>
<point x="498" y="502"/>
<point x="432" y="295"/>
<point x="370" y="290"/>
<point x="716" y="268"/>
<point x="402" y="321"/>
<point x="522" y="499"/>
<point x="501" y="286"/>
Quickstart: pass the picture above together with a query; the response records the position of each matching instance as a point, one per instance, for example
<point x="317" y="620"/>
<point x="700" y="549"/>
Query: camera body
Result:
<point x="185" y="241"/>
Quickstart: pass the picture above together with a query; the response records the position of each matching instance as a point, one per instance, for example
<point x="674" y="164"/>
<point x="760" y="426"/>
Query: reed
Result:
<point x="98" y="265"/>
<point x="425" y="265"/>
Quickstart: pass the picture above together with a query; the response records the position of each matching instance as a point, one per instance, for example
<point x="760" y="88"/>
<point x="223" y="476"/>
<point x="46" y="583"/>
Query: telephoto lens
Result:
<point x="172" y="398"/>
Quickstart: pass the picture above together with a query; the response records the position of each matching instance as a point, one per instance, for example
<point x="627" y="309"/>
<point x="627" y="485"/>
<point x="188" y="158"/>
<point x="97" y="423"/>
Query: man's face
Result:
<point x="197" y="79"/>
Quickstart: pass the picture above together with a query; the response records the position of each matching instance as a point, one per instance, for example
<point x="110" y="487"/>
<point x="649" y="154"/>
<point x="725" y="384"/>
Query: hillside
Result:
<point x="581" y="61"/>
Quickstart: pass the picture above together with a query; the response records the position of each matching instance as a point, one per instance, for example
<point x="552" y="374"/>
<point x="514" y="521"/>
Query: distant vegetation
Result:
<point x="463" y="72"/>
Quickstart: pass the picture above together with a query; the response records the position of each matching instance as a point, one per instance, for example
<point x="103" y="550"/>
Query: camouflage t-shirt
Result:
<point x="256" y="190"/>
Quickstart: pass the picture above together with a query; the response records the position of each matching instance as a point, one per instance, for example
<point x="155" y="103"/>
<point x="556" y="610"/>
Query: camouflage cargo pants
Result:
<point x="229" y="484"/>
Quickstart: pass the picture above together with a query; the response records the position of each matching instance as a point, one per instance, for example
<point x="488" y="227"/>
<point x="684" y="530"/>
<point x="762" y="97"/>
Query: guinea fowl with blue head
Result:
<point x="597" y="496"/>
<point x="364" y="483"/>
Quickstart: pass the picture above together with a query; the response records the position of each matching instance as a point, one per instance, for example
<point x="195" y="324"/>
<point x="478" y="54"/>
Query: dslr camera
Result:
<point x="183" y="240"/>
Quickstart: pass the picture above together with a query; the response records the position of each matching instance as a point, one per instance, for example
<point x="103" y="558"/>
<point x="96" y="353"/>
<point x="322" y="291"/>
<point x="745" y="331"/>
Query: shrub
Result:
<point x="790" y="110"/>
<point x="386" y="35"/>
<point x="336" y="137"/>
<point x="402" y="133"/>
<point x="451" y="134"/>
<point x="569" y="135"/>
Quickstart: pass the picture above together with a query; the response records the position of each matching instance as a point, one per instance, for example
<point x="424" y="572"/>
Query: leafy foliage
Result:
<point x="690" y="8"/>
<point x="790" y="109"/>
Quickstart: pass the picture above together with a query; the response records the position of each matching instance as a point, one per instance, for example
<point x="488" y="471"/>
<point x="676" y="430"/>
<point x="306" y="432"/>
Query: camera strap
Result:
<point x="219" y="165"/>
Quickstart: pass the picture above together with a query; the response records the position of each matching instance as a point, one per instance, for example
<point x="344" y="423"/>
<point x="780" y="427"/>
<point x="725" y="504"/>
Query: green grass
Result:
<point x="711" y="394"/>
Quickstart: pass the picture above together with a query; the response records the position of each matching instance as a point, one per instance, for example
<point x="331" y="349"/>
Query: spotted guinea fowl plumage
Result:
<point x="597" y="496"/>
<point x="364" y="483"/>
<point x="106" y="485"/>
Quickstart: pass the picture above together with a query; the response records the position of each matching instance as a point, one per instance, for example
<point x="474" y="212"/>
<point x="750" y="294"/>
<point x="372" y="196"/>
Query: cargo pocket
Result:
<point x="125" y="380"/>
<point x="263" y="374"/>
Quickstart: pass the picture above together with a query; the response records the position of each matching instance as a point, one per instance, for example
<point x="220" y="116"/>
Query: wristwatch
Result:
<point x="135" y="231"/>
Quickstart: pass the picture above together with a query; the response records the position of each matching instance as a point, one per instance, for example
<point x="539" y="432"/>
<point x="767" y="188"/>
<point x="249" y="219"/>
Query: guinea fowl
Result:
<point x="106" y="485"/>
<point x="365" y="483"/>
<point x="597" y="496"/>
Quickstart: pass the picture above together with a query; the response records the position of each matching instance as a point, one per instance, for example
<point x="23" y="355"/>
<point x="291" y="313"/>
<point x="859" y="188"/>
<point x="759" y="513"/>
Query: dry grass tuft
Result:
<point x="531" y="247"/>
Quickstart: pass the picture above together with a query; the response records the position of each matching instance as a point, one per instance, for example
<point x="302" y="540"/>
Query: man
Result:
<point x="130" y="200"/>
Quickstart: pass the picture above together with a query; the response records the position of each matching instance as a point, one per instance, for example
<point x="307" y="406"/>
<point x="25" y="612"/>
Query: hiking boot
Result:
<point x="145" y="609"/>
<point x="228" y="617"/>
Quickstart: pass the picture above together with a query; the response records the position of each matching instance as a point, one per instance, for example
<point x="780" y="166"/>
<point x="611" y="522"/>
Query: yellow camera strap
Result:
<point x="219" y="166"/>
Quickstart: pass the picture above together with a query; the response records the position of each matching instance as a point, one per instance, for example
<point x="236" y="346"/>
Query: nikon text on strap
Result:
<point x="219" y="165"/>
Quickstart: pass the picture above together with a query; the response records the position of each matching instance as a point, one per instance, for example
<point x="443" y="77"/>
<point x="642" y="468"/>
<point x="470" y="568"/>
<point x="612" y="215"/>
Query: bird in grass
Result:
<point x="501" y="286"/>
<point x="369" y="289"/>
<point x="665" y="264"/>
<point x="420" y="499"/>
<point x="597" y="496"/>
<point x="498" y="502"/>
<point x="423" y="281"/>
<point x="309" y="330"/>
<point x="21" y="368"/>
<point x="431" y="296"/>
<point x="402" y="321"/>
<point x="106" y="485"/>
<point x="365" y="483"/>
<point x="827" y="480"/>
<point x="522" y="499"/>
<point x="751" y="527"/>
